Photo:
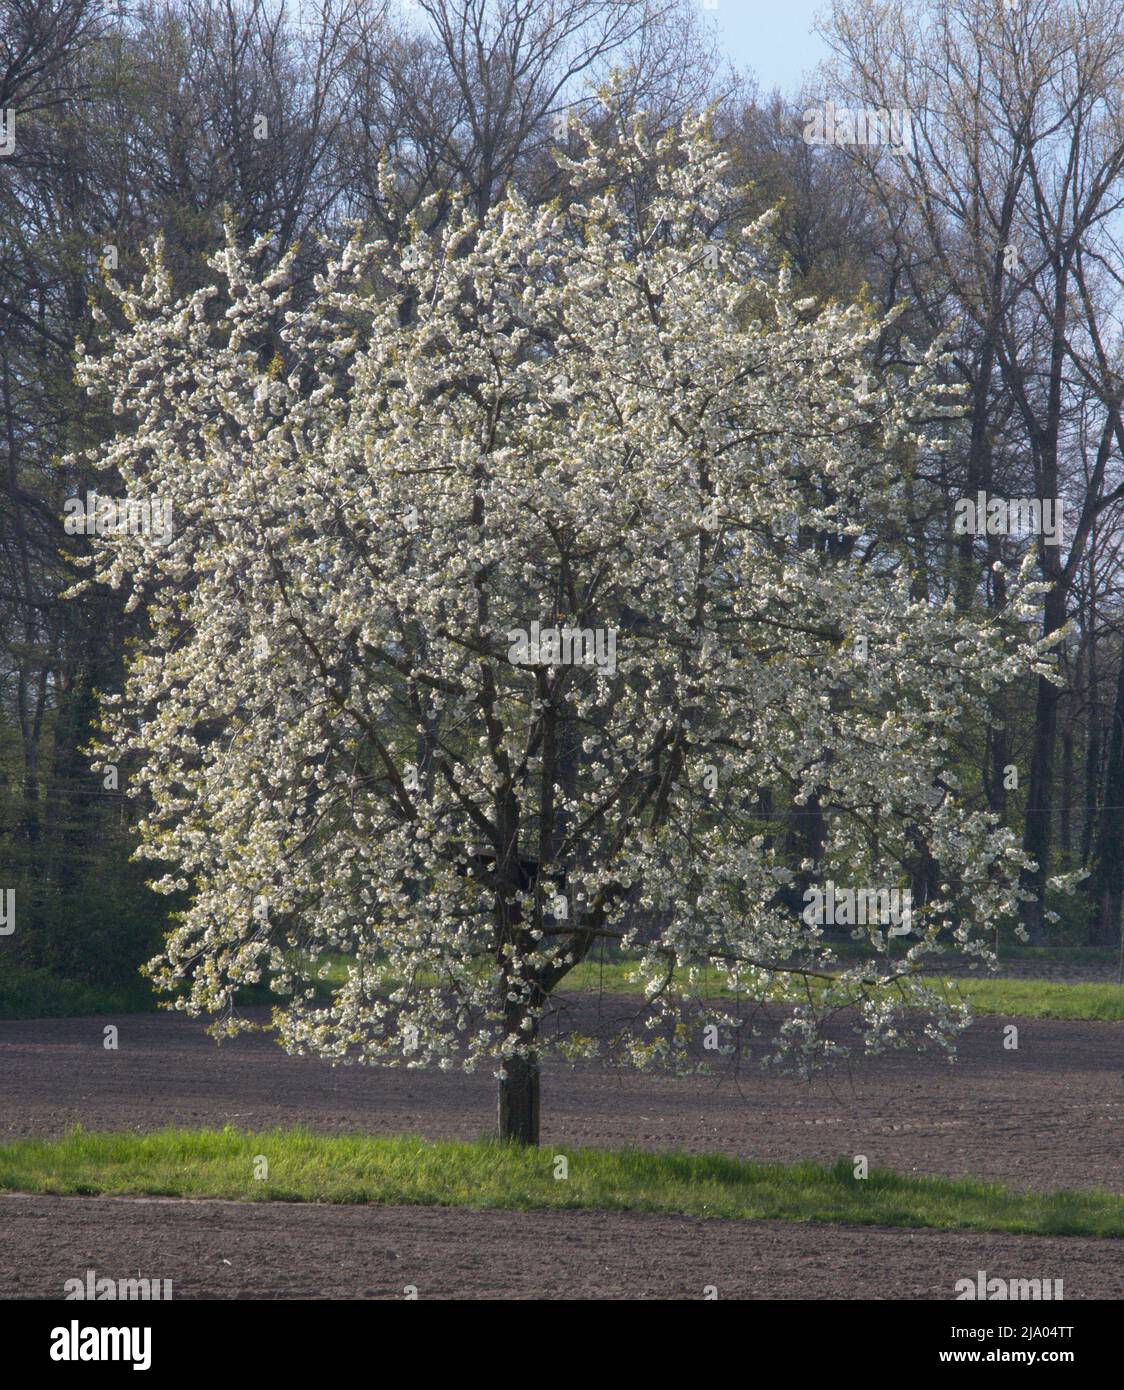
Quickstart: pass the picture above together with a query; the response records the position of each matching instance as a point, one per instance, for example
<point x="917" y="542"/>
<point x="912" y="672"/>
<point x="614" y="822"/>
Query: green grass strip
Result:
<point x="33" y="994"/>
<point x="1095" y="1003"/>
<point x="1098" y="1003"/>
<point x="1018" y="998"/>
<point x="304" y="1167"/>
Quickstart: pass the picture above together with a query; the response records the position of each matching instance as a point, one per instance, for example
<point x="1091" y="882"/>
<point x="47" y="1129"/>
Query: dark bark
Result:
<point x="805" y="839"/>
<point x="1108" y="870"/>
<point x="1065" y="829"/>
<point x="518" y="1120"/>
<point x="1037" y="838"/>
<point x="998" y="752"/>
<point x="1092" y="751"/>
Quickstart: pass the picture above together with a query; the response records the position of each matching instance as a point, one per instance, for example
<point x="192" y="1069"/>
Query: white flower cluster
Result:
<point x="562" y="415"/>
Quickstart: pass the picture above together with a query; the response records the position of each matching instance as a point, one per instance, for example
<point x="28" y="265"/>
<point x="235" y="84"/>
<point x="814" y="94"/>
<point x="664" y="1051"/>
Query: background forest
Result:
<point x="997" y="228"/>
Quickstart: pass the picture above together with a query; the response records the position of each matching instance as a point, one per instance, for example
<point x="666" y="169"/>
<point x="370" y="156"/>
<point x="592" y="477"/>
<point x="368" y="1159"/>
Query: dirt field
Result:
<point x="274" y="1250"/>
<point x="1049" y="1114"/>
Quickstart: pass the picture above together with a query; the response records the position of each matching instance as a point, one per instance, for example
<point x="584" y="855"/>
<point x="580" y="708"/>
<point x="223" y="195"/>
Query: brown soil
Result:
<point x="1046" y="1115"/>
<point x="276" y="1250"/>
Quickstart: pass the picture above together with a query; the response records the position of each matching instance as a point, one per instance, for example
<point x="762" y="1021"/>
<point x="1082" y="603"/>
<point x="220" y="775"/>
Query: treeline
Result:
<point x="994" y="228"/>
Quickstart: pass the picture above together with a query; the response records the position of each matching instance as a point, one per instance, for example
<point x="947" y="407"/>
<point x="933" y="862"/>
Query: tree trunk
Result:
<point x="1065" y="831"/>
<point x="519" y="1101"/>
<point x="1038" y="835"/>
<point x="805" y="839"/>
<point x="1092" y="784"/>
<point x="1108" y="864"/>
<point x="1092" y="745"/>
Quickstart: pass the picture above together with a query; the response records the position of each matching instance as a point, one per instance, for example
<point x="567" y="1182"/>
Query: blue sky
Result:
<point x="770" y="37"/>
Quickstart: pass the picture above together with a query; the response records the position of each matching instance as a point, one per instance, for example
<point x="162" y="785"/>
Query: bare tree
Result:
<point x="1014" y="176"/>
<point x="475" y="95"/>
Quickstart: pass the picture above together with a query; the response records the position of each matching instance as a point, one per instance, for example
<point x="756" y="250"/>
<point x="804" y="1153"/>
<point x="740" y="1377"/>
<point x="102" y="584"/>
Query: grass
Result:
<point x="1008" y="951"/>
<point x="1044" y="999"/>
<point x="304" y="1167"/>
<point x="1103" y="1003"/>
<point x="36" y="994"/>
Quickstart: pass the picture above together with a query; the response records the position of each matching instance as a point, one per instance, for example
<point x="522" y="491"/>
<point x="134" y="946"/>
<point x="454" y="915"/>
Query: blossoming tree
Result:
<point x="589" y="417"/>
